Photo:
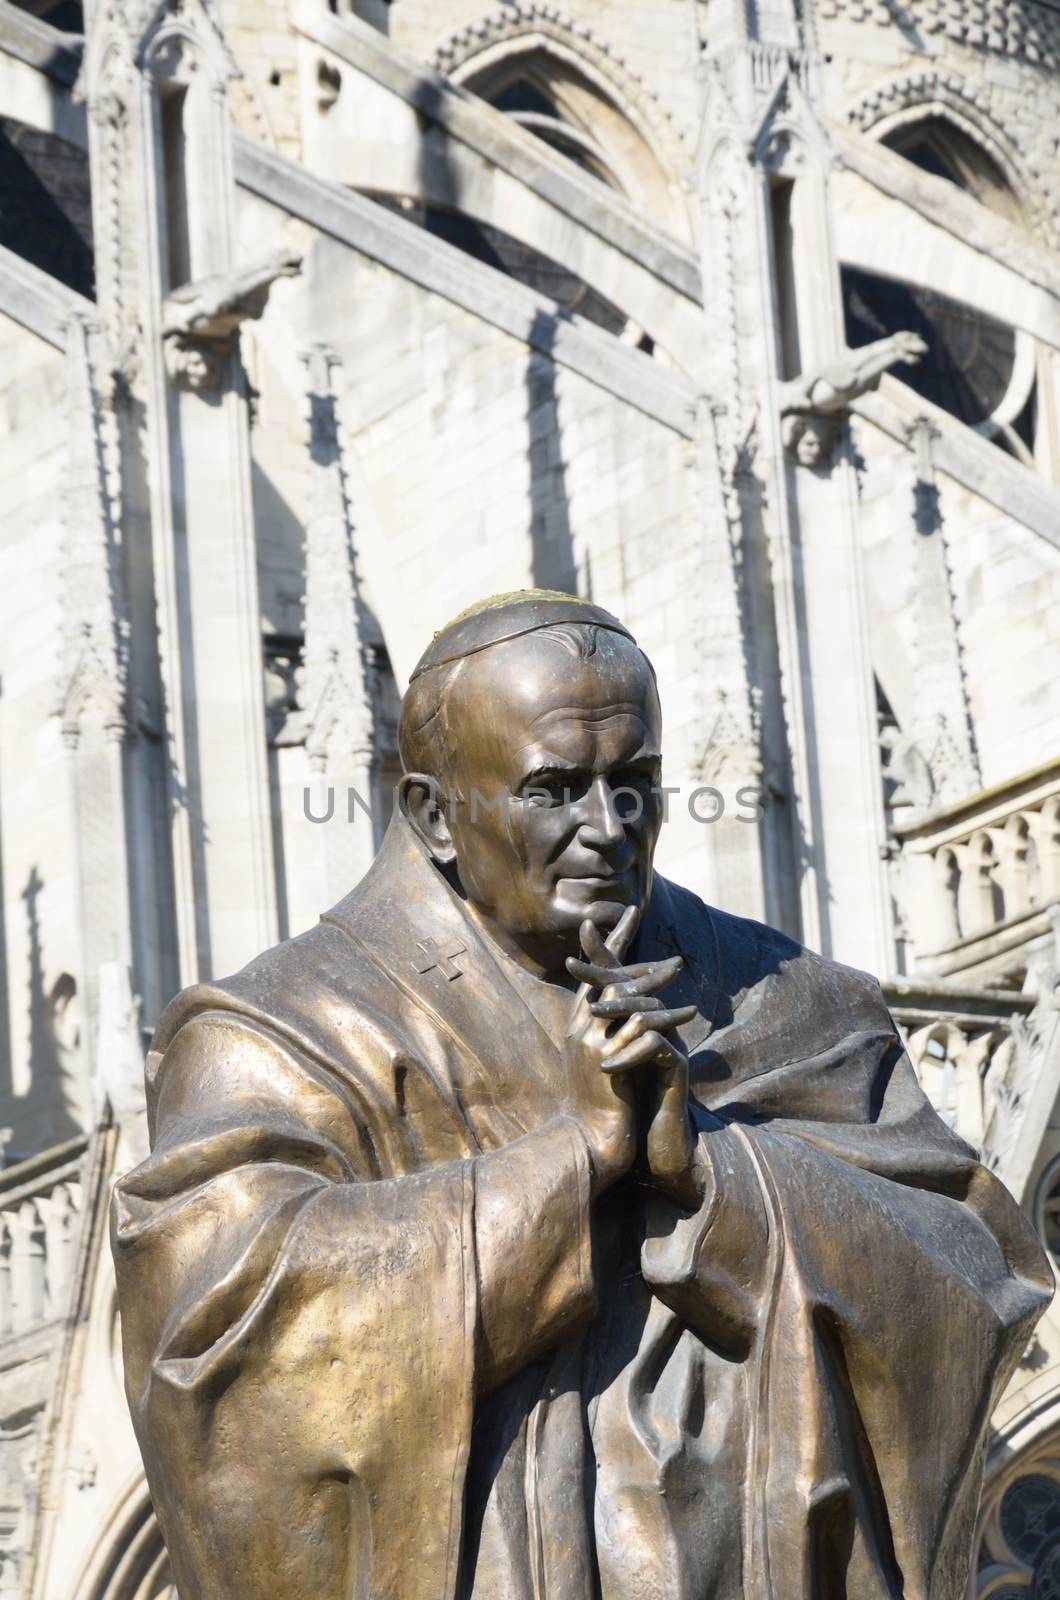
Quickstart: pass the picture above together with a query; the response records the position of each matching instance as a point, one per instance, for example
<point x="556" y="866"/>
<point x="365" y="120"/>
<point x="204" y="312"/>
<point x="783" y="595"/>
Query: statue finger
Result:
<point x="595" y="948"/>
<point x="641" y="978"/>
<point x="621" y="936"/>
<point x="588" y="972"/>
<point x="635" y="1026"/>
<point x="651" y="1046"/>
<point x="657" y="977"/>
<point x="624" y="1005"/>
<point x="676" y="1018"/>
<point x="644" y="1024"/>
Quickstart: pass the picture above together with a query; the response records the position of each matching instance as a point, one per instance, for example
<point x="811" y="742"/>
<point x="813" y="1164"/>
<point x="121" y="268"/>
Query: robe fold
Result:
<point x="380" y="1343"/>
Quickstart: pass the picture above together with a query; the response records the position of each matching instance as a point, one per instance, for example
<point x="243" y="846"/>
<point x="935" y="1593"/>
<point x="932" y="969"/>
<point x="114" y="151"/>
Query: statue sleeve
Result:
<point x="876" y="1287"/>
<point x="304" y="1335"/>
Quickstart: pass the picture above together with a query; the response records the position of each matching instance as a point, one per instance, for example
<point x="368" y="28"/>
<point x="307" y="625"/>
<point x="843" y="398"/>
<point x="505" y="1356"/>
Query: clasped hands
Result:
<point x="627" y="1065"/>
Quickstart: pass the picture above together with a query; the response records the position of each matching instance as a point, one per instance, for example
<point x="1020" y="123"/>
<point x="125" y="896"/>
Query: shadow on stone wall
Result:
<point x="554" y="565"/>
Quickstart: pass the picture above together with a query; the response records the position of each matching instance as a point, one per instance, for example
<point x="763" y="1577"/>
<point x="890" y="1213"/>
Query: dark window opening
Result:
<point x="46" y="204"/>
<point x="521" y="95"/>
<point x="790" y="355"/>
<point x="926" y="154"/>
<point x="66" y="15"/>
<point x="174" y="159"/>
<point x="527" y="99"/>
<point x="936" y="146"/>
<point x="375" y="12"/>
<point x="977" y="368"/>
<point x="971" y="357"/>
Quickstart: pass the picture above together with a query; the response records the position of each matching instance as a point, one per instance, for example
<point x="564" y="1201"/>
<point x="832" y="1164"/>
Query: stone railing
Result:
<point x="40" y="1214"/>
<point x="770" y="63"/>
<point x="963" y="1045"/>
<point x="975" y="881"/>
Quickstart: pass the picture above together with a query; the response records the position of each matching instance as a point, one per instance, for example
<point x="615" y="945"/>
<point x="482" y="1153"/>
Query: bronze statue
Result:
<point x="530" y="1231"/>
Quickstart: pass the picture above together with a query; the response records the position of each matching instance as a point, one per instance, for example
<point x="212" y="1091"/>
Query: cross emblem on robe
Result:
<point x="444" y="960"/>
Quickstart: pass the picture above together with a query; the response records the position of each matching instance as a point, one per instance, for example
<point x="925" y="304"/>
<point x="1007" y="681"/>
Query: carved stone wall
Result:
<point x="990" y="66"/>
<point x="265" y="96"/>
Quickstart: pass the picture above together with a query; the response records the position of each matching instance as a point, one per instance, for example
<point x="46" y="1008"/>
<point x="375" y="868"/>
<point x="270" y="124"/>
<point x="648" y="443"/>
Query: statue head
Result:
<point x="530" y="737"/>
<point x="195" y="364"/>
<point x="810" y="437"/>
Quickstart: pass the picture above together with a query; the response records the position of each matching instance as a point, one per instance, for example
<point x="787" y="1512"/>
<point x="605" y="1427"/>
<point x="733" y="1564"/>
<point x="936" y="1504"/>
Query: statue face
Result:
<point x="556" y="760"/>
<point x="809" y="449"/>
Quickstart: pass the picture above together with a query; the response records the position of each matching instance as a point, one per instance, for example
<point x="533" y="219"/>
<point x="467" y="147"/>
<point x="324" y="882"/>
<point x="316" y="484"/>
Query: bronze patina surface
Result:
<point x="529" y="1230"/>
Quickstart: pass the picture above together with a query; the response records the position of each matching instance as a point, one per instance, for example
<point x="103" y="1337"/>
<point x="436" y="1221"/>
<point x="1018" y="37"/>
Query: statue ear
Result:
<point x="421" y="803"/>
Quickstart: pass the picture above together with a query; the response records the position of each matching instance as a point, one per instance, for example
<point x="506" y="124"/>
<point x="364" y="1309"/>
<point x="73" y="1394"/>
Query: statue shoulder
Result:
<point x="290" y="990"/>
<point x="748" y="952"/>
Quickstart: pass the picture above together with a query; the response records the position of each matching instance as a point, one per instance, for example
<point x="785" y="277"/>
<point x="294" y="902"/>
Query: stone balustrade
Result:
<point x="975" y="881"/>
<point x="40" y="1213"/>
<point x="963" y="1045"/>
<point x="769" y="63"/>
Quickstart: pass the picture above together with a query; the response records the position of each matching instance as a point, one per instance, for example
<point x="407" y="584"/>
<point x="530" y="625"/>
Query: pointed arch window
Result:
<point x="543" y="81"/>
<point x="527" y="98"/>
<point x="979" y="369"/>
<point x="535" y="91"/>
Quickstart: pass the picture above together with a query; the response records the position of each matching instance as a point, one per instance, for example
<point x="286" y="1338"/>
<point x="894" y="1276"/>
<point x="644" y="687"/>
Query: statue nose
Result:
<point x="602" y="824"/>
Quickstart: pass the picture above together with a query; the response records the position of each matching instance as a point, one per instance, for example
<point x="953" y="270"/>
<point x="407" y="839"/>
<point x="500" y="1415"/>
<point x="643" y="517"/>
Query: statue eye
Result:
<point x="556" y="789"/>
<point x="548" y="791"/>
<point x="633" y="782"/>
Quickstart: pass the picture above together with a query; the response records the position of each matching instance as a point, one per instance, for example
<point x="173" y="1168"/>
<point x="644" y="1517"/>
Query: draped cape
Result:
<point x="379" y="1343"/>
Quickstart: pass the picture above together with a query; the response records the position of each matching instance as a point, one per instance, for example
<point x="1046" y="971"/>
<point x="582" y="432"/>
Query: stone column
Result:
<point x="156" y="81"/>
<point x="942" y="728"/>
<point x="729" y="755"/>
<point x="92" y="698"/>
<point x="742" y="77"/>
<point x="337" y="690"/>
<point x="779" y="311"/>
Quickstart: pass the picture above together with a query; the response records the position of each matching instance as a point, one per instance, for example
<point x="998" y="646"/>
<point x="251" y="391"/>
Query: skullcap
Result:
<point x="507" y="616"/>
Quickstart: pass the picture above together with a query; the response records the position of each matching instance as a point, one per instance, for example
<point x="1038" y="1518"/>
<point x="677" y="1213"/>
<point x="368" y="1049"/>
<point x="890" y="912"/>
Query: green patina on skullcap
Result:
<point x="507" y="616"/>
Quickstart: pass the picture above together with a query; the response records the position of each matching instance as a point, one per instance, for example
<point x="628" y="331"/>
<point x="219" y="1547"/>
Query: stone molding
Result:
<point x="944" y="91"/>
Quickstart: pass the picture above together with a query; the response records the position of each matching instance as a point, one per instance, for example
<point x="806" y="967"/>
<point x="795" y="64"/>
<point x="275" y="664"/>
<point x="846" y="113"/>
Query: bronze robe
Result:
<point x="379" y="1345"/>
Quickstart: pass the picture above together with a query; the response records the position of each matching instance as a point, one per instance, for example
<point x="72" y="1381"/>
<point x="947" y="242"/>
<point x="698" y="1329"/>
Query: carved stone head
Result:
<point x="811" y="437"/>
